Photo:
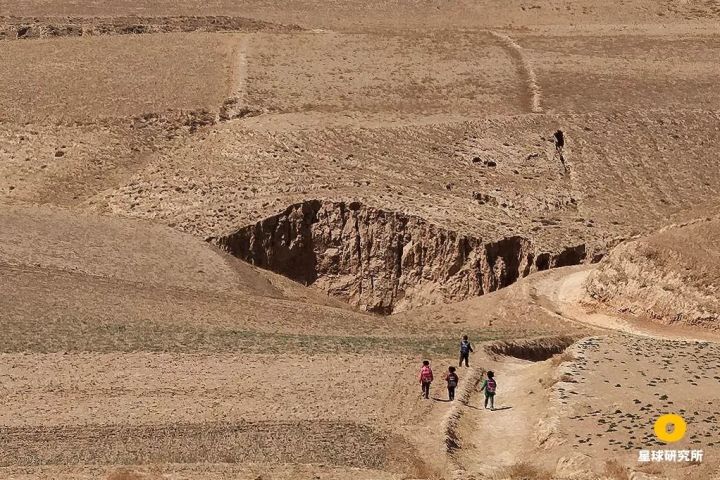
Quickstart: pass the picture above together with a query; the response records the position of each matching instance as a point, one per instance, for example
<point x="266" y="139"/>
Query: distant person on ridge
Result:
<point x="559" y="145"/>
<point x="426" y="378"/>
<point x="465" y="350"/>
<point x="489" y="385"/>
<point x="452" y="382"/>
<point x="559" y="142"/>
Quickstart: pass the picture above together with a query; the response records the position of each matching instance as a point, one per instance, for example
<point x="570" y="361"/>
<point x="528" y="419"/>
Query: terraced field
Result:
<point x="231" y="232"/>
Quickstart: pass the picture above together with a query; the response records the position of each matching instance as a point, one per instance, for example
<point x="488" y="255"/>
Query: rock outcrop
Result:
<point x="384" y="261"/>
<point x="672" y="276"/>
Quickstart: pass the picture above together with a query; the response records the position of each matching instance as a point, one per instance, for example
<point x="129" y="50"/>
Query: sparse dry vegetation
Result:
<point x="562" y="357"/>
<point x="149" y="148"/>
<point x="616" y="471"/>
<point x="671" y="277"/>
<point x="124" y="474"/>
<point x="523" y="471"/>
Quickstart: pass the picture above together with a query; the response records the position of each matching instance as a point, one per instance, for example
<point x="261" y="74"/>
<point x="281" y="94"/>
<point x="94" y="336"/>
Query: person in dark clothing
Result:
<point x="426" y="378"/>
<point x="452" y="382"/>
<point x="465" y="350"/>
<point x="559" y="145"/>
<point x="559" y="140"/>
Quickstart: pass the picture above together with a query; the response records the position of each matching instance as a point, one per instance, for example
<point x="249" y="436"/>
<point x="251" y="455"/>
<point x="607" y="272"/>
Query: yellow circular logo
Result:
<point x="678" y="430"/>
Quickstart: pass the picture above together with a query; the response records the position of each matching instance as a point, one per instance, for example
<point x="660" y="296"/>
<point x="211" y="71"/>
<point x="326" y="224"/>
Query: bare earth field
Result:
<point x="231" y="231"/>
<point x="48" y="80"/>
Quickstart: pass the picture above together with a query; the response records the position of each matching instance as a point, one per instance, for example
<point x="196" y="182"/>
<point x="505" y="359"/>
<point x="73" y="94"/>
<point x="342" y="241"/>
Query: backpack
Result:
<point x="491" y="385"/>
<point x="452" y="380"/>
<point x="464" y="347"/>
<point x="426" y="374"/>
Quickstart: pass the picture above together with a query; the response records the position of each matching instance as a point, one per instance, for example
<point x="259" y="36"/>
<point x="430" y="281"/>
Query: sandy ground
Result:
<point x="133" y="349"/>
<point x="185" y="471"/>
<point x="127" y="75"/>
<point x="649" y="378"/>
<point x="349" y="14"/>
<point x="494" y="440"/>
<point x="114" y="358"/>
<point x="138" y="408"/>
<point x="87" y="409"/>
<point x="599" y="399"/>
<point x="569" y="298"/>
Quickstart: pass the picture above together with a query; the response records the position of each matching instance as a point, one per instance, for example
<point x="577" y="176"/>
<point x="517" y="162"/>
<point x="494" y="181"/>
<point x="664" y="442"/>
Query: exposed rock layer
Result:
<point x="535" y="350"/>
<point x="672" y="276"/>
<point x="386" y="261"/>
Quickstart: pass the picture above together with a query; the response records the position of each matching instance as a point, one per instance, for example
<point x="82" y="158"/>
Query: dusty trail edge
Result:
<point x="561" y="293"/>
<point x="486" y="449"/>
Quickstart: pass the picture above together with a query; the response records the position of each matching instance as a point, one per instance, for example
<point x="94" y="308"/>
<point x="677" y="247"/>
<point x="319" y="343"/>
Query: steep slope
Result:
<point x="74" y="281"/>
<point x="385" y="261"/>
<point x="672" y="276"/>
<point x="129" y="251"/>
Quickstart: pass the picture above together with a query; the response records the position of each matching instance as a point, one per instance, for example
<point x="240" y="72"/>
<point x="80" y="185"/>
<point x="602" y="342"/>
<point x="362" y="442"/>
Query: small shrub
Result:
<point x="614" y="470"/>
<point x="523" y="471"/>
<point x="548" y="382"/>
<point x="124" y="474"/>
<point x="562" y="357"/>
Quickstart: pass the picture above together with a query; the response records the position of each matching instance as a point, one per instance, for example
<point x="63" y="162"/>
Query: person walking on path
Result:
<point x="426" y="378"/>
<point x="489" y="386"/>
<point x="559" y="138"/>
<point x="465" y="350"/>
<point x="452" y="380"/>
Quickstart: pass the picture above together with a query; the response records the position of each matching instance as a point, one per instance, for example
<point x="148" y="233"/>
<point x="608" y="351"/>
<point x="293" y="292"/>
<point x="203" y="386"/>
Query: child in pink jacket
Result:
<point x="426" y="378"/>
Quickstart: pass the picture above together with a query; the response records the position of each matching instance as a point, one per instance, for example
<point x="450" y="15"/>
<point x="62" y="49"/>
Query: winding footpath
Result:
<point x="492" y="441"/>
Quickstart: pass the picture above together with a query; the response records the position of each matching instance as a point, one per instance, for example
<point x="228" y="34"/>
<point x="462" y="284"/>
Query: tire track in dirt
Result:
<point x="534" y="92"/>
<point x="233" y="107"/>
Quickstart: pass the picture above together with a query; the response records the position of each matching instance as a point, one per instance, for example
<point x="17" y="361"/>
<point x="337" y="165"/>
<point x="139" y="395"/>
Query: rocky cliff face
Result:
<point x="385" y="261"/>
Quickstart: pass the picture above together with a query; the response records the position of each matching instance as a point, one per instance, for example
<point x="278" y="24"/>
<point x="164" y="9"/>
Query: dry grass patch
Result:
<point x="125" y="474"/>
<point x="549" y="382"/>
<point x="523" y="471"/>
<point x="616" y="471"/>
<point x="650" y="469"/>
<point x="562" y="358"/>
<point x="85" y="79"/>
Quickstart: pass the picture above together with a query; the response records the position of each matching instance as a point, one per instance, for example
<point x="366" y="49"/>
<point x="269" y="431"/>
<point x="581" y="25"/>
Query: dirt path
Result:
<point x="563" y="294"/>
<point x="492" y="440"/>
<point x="238" y="83"/>
<point x="533" y="87"/>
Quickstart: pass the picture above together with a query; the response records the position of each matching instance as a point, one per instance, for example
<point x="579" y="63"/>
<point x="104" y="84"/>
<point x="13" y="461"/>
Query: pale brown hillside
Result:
<point x="672" y="276"/>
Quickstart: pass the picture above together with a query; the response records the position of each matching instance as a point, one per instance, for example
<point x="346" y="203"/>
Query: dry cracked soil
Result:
<point x="230" y="232"/>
